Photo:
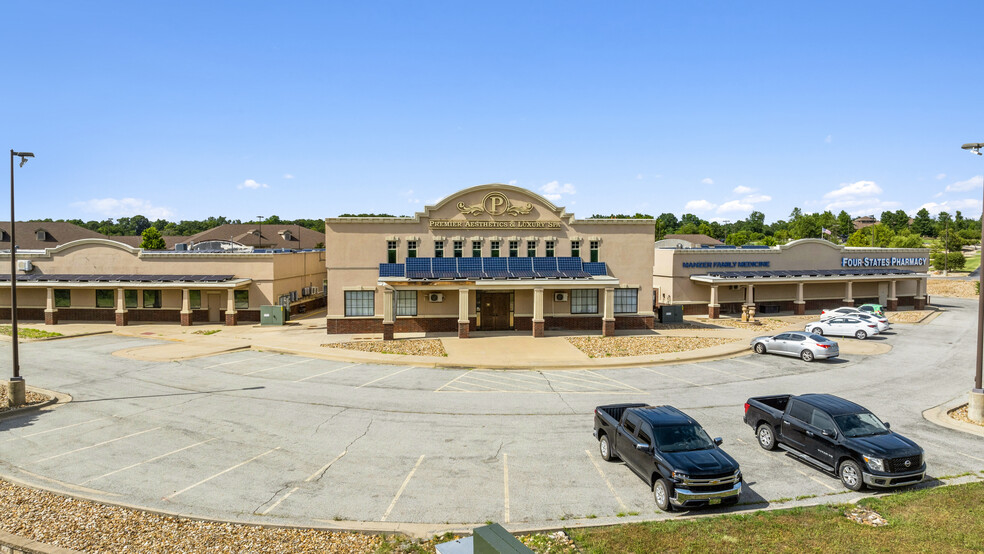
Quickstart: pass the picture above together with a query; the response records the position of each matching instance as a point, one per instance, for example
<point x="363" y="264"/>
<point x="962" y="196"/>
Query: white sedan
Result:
<point x="880" y="321"/>
<point x="844" y="326"/>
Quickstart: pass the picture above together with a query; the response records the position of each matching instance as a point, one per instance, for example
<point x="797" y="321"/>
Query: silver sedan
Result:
<point x="807" y="346"/>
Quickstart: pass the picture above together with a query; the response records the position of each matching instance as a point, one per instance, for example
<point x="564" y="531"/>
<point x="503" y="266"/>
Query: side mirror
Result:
<point x="887" y="425"/>
<point x="718" y="441"/>
<point x="829" y="433"/>
<point x="642" y="446"/>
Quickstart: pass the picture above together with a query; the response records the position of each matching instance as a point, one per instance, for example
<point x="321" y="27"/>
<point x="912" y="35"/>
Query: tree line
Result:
<point x="136" y="225"/>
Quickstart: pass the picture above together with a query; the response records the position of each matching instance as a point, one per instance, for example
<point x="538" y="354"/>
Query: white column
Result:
<point x="49" y="305"/>
<point x="388" y="306"/>
<point x="185" y="301"/>
<point x="538" y="305"/>
<point x="714" y="296"/>
<point x="750" y="295"/>
<point x="799" y="294"/>
<point x="120" y="301"/>
<point x="463" y="306"/>
<point x="849" y="291"/>
<point x="231" y="302"/>
<point x="892" y="290"/>
<point x="609" y="304"/>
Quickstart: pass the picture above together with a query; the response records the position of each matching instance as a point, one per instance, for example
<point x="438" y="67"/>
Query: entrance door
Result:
<point x="495" y="311"/>
<point x="214" y="305"/>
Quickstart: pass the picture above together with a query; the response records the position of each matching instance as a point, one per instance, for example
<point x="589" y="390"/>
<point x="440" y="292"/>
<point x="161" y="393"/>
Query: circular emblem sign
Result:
<point x="908" y="463"/>
<point x="495" y="203"/>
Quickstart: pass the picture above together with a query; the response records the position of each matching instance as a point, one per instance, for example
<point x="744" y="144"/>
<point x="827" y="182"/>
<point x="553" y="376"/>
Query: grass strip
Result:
<point x="27" y="332"/>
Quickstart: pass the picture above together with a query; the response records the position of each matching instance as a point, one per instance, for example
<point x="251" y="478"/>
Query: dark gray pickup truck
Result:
<point x="837" y="436"/>
<point x="671" y="452"/>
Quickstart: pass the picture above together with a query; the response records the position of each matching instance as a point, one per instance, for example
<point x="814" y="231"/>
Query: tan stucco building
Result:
<point x="808" y="274"/>
<point x="491" y="257"/>
<point x="104" y="280"/>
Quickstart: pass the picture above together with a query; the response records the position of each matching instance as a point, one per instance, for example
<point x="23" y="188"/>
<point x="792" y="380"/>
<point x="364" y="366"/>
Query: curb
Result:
<point x="17" y="544"/>
<point x="939" y="416"/>
<point x="55" y="399"/>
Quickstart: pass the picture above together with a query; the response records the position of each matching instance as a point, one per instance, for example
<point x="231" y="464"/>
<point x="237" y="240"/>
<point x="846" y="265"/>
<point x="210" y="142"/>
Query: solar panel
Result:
<point x="444" y="268"/>
<point x="596" y="268"/>
<point x="470" y="268"/>
<point x="572" y="268"/>
<point x="419" y="268"/>
<point x="546" y="268"/>
<point x="521" y="268"/>
<point x="391" y="270"/>
<point x="495" y="268"/>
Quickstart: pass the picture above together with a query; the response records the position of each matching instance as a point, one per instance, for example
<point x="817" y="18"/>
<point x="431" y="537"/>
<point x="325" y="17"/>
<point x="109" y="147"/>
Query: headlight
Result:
<point x="875" y="464"/>
<point x="680" y="476"/>
<point x="737" y="475"/>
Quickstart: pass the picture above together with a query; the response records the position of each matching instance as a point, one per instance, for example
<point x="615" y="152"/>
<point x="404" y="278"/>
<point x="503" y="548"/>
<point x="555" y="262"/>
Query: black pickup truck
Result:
<point x="671" y="452"/>
<point x="837" y="436"/>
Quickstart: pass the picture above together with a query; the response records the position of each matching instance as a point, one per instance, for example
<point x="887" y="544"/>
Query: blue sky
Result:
<point x="184" y="110"/>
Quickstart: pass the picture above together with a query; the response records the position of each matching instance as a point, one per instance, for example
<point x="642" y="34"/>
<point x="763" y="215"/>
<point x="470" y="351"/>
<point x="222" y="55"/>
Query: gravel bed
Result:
<point x="912" y="316"/>
<point x="764" y="324"/>
<point x="950" y="287"/>
<point x="960" y="414"/>
<point x="615" y="347"/>
<point x="420" y="347"/>
<point x="31" y="398"/>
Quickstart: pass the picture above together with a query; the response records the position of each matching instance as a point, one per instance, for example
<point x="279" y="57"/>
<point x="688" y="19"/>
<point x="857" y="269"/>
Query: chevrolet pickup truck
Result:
<point x="670" y="451"/>
<point x="837" y="436"/>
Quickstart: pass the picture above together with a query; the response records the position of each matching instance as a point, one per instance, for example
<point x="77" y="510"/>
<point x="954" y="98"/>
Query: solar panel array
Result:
<point x="73" y="278"/>
<point x="465" y="269"/>
<point x="791" y="273"/>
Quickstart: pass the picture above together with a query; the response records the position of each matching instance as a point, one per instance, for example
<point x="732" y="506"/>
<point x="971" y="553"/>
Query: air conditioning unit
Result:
<point x="435" y="297"/>
<point x="306" y="291"/>
<point x="24" y="265"/>
<point x="293" y="296"/>
<point x="560" y="297"/>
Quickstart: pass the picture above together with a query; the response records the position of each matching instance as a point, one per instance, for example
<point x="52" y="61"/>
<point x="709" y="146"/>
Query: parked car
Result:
<point x="843" y="326"/>
<point x="843" y="310"/>
<point x="837" y="436"/>
<point x="807" y="346"/>
<point x="671" y="452"/>
<point x="881" y="322"/>
<point x="876" y="309"/>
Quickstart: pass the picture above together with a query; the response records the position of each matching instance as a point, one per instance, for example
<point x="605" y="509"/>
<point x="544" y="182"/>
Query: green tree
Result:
<point x="845" y="225"/>
<point x="879" y="236"/>
<point x="738" y="239"/>
<point x="905" y="239"/>
<point x="152" y="239"/>
<point x="922" y="224"/>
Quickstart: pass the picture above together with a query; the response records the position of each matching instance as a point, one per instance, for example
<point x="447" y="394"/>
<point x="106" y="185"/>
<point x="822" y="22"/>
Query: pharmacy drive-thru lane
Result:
<point x="281" y="439"/>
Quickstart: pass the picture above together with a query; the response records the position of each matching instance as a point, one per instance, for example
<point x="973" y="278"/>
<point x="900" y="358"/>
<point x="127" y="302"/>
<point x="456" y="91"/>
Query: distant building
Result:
<point x="261" y="235"/>
<point x="38" y="235"/>
<point x="864" y="221"/>
<point x="687" y="241"/>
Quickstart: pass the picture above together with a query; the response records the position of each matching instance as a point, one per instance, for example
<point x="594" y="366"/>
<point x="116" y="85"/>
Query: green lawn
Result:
<point x="942" y="519"/>
<point x="28" y="333"/>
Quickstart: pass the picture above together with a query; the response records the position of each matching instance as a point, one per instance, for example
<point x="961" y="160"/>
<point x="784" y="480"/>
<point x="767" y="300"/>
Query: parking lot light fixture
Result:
<point x="16" y="389"/>
<point x="975" y="408"/>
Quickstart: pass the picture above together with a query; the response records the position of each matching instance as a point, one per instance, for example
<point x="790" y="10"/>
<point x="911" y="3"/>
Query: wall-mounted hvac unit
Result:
<point x="293" y="296"/>
<point x="560" y="297"/>
<point x="306" y="291"/>
<point x="24" y="265"/>
<point x="435" y="297"/>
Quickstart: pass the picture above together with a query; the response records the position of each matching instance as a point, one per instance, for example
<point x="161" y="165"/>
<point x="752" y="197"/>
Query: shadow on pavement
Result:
<point x="172" y="394"/>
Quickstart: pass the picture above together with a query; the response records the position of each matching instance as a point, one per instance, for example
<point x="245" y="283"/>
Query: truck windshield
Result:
<point x="682" y="438"/>
<point x="860" y="425"/>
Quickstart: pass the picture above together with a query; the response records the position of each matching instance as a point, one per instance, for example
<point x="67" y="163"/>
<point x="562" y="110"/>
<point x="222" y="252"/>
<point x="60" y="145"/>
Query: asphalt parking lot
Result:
<point x="280" y="439"/>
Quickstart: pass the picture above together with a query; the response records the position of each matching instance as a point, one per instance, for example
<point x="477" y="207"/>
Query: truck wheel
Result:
<point x="760" y="348"/>
<point x="817" y="331"/>
<point x="861" y="335"/>
<point x="850" y="474"/>
<point x="605" y="448"/>
<point x="662" y="490"/>
<point x="806" y="355"/>
<point x="766" y="436"/>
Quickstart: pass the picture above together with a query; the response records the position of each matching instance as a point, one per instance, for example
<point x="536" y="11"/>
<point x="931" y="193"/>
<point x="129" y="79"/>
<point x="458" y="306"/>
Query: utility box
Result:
<point x="671" y="314"/>
<point x="494" y="539"/>
<point x="273" y="315"/>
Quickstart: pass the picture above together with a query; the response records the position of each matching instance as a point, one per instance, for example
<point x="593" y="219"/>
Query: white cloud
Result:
<point x="251" y="184"/>
<point x="699" y="206"/>
<point x="735" y="206"/>
<point x="863" y="206"/>
<point x="829" y="139"/>
<point x="288" y="176"/>
<point x="937" y="195"/>
<point x="950" y="206"/>
<point x="856" y="189"/>
<point x="410" y="197"/>
<point x="969" y="184"/>
<point x="639" y="176"/>
<point x="742" y="190"/>
<point x="123" y="207"/>
<point x="707" y="181"/>
<point x="756" y="198"/>
<point x="513" y="182"/>
<point x="553" y="190"/>
<point x="941" y="176"/>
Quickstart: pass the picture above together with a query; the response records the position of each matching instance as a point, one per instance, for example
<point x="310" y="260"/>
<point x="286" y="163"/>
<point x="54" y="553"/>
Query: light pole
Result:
<point x="975" y="408"/>
<point x="16" y="390"/>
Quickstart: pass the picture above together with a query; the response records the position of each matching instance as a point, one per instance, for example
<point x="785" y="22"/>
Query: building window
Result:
<point x="531" y="248"/>
<point x="130" y="298"/>
<point x="241" y="299"/>
<point x="575" y="249"/>
<point x="104" y="298"/>
<point x="411" y="249"/>
<point x="549" y="245"/>
<point x="405" y="302"/>
<point x="476" y="249"/>
<point x="584" y="301"/>
<point x="458" y="246"/>
<point x="626" y="301"/>
<point x="359" y="302"/>
<point x="494" y="247"/>
<point x="63" y="298"/>
<point x="594" y="250"/>
<point x="391" y="251"/>
<point x="195" y="299"/>
<point x="42" y="235"/>
<point x="438" y="248"/>
<point x="513" y="248"/>
<point x="152" y="299"/>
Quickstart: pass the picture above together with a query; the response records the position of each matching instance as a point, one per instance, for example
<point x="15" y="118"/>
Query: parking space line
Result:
<point x="569" y="381"/>
<point x="402" y="487"/>
<point x="500" y="383"/>
<point x="804" y="474"/>
<point x="452" y="381"/>
<point x="675" y="378"/>
<point x="154" y="459"/>
<point x="607" y="482"/>
<point x="95" y="445"/>
<point x="748" y="362"/>
<point x="742" y="377"/>
<point x="505" y="480"/>
<point x="312" y="477"/>
<point x="490" y="389"/>
<point x="969" y="456"/>
<point x="278" y="367"/>
<point x="512" y="378"/>
<point x="326" y="373"/>
<point x="386" y="376"/>
<point x="626" y="385"/>
<point x="186" y="489"/>
<point x="240" y="361"/>
<point x="55" y="429"/>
